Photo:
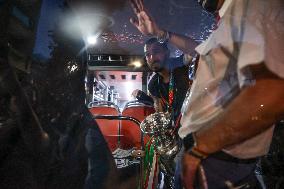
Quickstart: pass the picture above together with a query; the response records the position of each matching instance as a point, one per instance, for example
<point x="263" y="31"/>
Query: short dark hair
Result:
<point x="155" y="40"/>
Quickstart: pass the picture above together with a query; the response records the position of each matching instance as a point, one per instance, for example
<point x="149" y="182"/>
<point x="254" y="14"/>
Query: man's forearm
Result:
<point x="144" y="97"/>
<point x="254" y="110"/>
<point x="183" y="43"/>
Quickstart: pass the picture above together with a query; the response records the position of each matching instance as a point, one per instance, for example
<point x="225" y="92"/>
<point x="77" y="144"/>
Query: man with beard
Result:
<point x="170" y="83"/>
<point x="168" y="88"/>
<point x="237" y="94"/>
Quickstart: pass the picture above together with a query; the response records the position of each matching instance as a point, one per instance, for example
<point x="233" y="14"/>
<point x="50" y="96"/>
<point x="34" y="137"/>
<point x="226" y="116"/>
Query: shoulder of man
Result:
<point x="181" y="71"/>
<point x="181" y="77"/>
<point x="176" y="62"/>
<point x="153" y="79"/>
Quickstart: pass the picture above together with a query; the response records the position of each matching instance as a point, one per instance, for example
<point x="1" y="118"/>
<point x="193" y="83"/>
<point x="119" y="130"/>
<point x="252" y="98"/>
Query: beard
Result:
<point x="158" y="70"/>
<point x="157" y="67"/>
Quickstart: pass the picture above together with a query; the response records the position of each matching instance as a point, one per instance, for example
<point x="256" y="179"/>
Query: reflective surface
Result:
<point x="159" y="126"/>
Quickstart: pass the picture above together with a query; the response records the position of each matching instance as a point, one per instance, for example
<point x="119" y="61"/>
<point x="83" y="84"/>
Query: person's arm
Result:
<point x="253" y="111"/>
<point x="141" y="96"/>
<point x="157" y="104"/>
<point x="147" y="26"/>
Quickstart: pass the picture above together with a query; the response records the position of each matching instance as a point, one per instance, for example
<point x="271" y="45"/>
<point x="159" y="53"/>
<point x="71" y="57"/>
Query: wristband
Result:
<point x="195" y="152"/>
<point x="164" y="38"/>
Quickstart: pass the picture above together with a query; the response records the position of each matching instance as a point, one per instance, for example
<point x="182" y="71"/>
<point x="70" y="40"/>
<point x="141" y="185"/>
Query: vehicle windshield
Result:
<point x="123" y="93"/>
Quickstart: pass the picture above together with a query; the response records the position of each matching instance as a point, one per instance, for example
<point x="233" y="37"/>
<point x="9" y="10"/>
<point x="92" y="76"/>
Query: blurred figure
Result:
<point x="236" y="96"/>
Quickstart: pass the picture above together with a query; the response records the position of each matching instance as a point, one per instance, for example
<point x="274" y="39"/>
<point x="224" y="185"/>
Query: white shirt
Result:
<point x="250" y="32"/>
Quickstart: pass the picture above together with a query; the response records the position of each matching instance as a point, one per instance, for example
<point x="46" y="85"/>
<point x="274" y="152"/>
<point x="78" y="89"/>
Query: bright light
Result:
<point x="137" y="64"/>
<point x="85" y="21"/>
<point x="129" y="87"/>
<point x="92" y="40"/>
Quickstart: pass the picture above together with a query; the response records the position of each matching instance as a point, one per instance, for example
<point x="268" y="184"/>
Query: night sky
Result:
<point x="181" y="16"/>
<point x="49" y="13"/>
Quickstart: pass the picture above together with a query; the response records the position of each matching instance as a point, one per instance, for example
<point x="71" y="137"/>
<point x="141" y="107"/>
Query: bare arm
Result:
<point x="157" y="104"/>
<point x="254" y="110"/>
<point x="147" y="26"/>
<point x="183" y="43"/>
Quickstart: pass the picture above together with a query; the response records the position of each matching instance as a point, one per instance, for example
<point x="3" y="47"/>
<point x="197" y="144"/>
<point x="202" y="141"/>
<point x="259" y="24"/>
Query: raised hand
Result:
<point x="144" y="23"/>
<point x="135" y="93"/>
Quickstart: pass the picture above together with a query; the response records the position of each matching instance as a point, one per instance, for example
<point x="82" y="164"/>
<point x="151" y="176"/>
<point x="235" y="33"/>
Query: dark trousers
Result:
<point x="223" y="171"/>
